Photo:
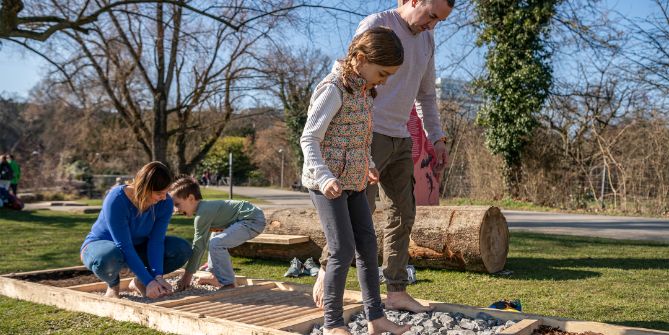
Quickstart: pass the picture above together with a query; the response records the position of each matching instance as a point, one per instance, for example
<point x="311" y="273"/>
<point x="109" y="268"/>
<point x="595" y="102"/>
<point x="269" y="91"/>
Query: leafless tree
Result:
<point x="172" y="77"/>
<point x="291" y="77"/>
<point x="40" y="20"/>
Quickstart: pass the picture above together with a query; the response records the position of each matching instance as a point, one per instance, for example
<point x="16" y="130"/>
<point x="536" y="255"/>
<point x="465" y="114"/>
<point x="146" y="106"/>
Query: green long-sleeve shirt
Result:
<point x="16" y="169"/>
<point x="217" y="215"/>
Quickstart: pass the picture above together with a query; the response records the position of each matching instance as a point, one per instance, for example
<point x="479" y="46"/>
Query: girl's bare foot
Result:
<point x="317" y="292"/>
<point x="336" y="331"/>
<point x="382" y="325"/>
<point x="113" y="292"/>
<point x="137" y="286"/>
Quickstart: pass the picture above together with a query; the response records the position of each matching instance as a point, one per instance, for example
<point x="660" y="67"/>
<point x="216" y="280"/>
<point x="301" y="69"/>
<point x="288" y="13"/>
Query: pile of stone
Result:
<point x="441" y="323"/>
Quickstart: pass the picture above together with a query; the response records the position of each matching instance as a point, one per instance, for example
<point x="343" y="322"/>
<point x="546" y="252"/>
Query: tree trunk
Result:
<point x="473" y="238"/>
<point x="160" y="129"/>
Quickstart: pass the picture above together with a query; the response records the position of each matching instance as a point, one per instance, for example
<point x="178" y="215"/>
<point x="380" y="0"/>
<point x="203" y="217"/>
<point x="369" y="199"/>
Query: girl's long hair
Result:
<point x="379" y="45"/>
<point x="152" y="177"/>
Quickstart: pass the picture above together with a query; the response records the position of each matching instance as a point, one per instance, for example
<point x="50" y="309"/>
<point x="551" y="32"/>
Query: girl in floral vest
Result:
<point x="337" y="167"/>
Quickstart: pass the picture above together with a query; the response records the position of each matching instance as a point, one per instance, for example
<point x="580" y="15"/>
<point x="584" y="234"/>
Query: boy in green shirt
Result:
<point x="232" y="223"/>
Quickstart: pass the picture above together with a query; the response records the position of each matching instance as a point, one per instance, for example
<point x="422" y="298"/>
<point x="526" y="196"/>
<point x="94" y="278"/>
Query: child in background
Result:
<point x="336" y="143"/>
<point x="232" y="223"/>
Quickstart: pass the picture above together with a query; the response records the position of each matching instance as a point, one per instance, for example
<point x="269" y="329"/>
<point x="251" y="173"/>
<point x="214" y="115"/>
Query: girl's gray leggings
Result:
<point x="349" y="232"/>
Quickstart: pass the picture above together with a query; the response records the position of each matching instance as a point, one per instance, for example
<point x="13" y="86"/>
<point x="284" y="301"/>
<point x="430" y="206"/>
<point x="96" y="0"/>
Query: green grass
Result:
<point x="619" y="282"/>
<point x="503" y="203"/>
<point x="512" y="204"/>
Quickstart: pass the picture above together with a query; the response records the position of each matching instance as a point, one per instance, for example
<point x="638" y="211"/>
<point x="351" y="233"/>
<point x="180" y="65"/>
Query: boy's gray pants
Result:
<point x="239" y="232"/>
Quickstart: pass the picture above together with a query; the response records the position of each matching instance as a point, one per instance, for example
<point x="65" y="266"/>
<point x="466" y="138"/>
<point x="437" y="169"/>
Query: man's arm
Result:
<point x="428" y="111"/>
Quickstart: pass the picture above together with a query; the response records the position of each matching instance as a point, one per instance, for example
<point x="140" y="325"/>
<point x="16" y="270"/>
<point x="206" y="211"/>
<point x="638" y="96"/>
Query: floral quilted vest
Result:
<point x="346" y="146"/>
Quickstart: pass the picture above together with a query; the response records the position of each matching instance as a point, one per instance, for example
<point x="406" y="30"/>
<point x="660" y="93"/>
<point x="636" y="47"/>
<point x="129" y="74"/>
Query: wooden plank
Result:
<point x="573" y="326"/>
<point x="224" y="293"/>
<point x="305" y="323"/>
<point x="237" y="312"/>
<point x="523" y="327"/>
<point x="49" y="271"/>
<point x="100" y="286"/>
<point x="266" y="314"/>
<point x="162" y="319"/>
<point x="285" y="314"/>
<point x="279" y="239"/>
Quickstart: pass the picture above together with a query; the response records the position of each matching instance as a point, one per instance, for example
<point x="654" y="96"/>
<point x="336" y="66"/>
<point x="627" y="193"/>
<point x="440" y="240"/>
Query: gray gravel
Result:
<point x="432" y="323"/>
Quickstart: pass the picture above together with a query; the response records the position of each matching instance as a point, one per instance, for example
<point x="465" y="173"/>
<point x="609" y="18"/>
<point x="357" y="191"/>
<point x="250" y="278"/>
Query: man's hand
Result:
<point x="441" y="157"/>
<point x="332" y="190"/>
<point x="373" y="175"/>
<point x="184" y="281"/>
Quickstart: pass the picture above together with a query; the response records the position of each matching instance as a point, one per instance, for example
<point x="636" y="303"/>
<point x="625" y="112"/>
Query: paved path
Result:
<point x="617" y="227"/>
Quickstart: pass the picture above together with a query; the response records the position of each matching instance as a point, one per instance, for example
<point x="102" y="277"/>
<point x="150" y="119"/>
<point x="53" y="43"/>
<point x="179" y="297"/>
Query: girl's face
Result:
<point x="374" y="74"/>
<point x="157" y="196"/>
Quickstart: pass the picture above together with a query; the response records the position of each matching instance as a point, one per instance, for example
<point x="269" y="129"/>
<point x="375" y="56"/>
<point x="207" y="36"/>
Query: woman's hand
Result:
<point x="167" y="288"/>
<point x="158" y="287"/>
<point x="154" y="290"/>
<point x="373" y="175"/>
<point x="332" y="189"/>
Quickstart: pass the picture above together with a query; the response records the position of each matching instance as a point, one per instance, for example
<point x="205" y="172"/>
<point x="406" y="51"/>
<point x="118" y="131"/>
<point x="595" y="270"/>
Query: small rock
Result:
<point x="468" y="324"/>
<point x="446" y="320"/>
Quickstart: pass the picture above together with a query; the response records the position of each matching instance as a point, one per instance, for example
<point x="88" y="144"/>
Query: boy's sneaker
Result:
<point x="310" y="268"/>
<point x="295" y="268"/>
<point x="411" y="274"/>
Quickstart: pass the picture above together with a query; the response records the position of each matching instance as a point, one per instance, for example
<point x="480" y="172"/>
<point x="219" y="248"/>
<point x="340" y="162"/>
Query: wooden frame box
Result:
<point x="255" y="307"/>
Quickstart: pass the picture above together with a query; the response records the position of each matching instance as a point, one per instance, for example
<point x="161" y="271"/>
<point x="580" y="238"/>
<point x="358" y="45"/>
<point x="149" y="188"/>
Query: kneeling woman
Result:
<point x="130" y="232"/>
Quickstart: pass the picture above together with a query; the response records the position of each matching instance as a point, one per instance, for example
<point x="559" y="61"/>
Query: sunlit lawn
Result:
<point x="611" y="281"/>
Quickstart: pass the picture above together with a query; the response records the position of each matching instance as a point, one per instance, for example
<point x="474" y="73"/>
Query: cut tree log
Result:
<point x="472" y="238"/>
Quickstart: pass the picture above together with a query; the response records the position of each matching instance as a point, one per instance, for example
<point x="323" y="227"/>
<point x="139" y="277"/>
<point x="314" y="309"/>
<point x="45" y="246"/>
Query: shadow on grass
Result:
<point x="520" y="238"/>
<point x="657" y="324"/>
<point x="566" y="267"/>
<point x="562" y="269"/>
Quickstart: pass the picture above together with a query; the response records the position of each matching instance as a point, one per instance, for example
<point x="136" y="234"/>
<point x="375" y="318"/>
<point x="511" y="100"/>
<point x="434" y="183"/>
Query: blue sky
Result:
<point x="20" y="70"/>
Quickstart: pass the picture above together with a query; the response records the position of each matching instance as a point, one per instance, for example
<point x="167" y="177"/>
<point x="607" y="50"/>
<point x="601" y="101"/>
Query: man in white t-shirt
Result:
<point x="413" y="83"/>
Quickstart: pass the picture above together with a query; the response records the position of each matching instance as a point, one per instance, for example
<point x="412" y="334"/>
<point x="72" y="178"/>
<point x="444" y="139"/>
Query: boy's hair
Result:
<point x="185" y="186"/>
<point x="379" y="45"/>
<point x="152" y="177"/>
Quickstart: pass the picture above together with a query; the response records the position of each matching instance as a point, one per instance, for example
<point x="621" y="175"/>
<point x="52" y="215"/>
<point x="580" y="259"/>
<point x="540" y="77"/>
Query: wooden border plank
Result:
<point x="568" y="325"/>
<point x="40" y="272"/>
<point x="171" y="320"/>
<point x="523" y="327"/>
<point x="163" y="319"/>
<point x="279" y="239"/>
<point x="99" y="286"/>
